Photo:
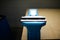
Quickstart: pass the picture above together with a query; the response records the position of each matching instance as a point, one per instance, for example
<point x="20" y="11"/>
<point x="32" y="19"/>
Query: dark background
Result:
<point x="14" y="9"/>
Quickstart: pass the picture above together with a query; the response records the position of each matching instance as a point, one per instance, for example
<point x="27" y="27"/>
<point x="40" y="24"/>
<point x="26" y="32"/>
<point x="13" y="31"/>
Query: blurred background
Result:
<point x="14" y="9"/>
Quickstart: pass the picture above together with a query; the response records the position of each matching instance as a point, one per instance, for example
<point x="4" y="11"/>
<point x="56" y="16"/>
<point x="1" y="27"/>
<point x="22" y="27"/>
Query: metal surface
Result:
<point x="33" y="26"/>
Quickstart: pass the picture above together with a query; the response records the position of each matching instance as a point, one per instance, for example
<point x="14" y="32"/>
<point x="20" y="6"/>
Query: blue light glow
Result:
<point x="33" y="12"/>
<point x="33" y="22"/>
